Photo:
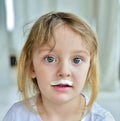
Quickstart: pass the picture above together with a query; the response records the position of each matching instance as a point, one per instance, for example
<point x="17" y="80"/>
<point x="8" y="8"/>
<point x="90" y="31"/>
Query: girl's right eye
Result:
<point x="50" y="59"/>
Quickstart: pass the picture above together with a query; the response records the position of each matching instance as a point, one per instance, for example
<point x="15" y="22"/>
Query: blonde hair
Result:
<point x="39" y="35"/>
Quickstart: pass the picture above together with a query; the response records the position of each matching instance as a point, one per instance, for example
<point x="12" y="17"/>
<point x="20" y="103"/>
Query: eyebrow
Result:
<point x="76" y="51"/>
<point x="43" y="50"/>
<point x="82" y="51"/>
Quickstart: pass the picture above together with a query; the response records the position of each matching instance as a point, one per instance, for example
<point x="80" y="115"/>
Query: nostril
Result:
<point x="63" y="74"/>
<point x="60" y="74"/>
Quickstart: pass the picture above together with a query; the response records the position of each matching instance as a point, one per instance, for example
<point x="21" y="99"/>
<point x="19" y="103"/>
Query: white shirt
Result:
<point x="19" y="112"/>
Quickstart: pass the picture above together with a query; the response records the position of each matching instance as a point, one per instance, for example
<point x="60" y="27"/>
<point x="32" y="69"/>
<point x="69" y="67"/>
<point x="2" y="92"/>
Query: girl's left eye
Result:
<point x="50" y="59"/>
<point x="77" y="60"/>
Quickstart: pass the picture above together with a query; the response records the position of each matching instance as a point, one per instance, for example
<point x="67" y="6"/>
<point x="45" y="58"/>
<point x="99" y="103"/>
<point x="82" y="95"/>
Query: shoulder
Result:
<point x="98" y="113"/>
<point x="19" y="112"/>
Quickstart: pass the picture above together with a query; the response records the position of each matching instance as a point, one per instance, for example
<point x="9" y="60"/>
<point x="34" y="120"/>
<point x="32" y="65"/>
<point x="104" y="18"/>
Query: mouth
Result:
<point x="62" y="86"/>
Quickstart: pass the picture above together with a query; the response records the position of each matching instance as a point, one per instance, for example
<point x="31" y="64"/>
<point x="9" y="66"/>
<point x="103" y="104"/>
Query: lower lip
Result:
<point x="62" y="88"/>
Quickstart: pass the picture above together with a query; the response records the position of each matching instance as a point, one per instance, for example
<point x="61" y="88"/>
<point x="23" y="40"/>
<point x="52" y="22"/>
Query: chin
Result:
<point x="62" y="99"/>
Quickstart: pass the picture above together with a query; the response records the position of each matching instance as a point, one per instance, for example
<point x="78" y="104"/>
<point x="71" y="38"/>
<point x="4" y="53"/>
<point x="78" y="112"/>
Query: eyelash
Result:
<point x="53" y="59"/>
<point x="80" y="59"/>
<point x="50" y="57"/>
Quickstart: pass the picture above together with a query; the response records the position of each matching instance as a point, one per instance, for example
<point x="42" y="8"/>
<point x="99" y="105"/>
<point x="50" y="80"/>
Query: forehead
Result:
<point x="65" y="39"/>
<point x="59" y="30"/>
<point x="66" y="36"/>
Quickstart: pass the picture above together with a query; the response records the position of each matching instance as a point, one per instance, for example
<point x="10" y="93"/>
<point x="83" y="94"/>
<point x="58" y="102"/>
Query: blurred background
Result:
<point x="102" y="15"/>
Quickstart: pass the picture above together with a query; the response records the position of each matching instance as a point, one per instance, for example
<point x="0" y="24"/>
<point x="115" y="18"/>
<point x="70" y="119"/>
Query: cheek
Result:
<point x="42" y="84"/>
<point x="82" y="75"/>
<point x="81" y="81"/>
<point x="44" y="76"/>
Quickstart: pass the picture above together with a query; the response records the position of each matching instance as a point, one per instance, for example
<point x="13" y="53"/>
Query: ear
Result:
<point x="33" y="74"/>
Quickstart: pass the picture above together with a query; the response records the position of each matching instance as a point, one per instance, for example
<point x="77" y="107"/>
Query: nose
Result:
<point x="64" y="70"/>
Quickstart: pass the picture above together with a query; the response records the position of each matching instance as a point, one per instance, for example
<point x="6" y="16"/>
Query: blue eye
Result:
<point x="50" y="59"/>
<point x="77" y="60"/>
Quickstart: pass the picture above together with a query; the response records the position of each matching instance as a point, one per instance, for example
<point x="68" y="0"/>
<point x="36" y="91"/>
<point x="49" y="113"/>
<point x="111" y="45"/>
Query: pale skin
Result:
<point x="70" y="59"/>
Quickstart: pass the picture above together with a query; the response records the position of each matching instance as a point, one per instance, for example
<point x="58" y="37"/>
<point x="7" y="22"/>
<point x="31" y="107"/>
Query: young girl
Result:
<point x="58" y="60"/>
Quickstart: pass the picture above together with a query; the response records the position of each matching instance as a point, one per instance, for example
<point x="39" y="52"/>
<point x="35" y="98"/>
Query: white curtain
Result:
<point x="108" y="28"/>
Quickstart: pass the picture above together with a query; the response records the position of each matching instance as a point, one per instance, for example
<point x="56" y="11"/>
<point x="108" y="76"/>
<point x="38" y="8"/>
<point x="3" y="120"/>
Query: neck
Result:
<point x="66" y="111"/>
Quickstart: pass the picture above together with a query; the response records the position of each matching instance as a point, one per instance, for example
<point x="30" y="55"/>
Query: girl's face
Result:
<point x="69" y="59"/>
